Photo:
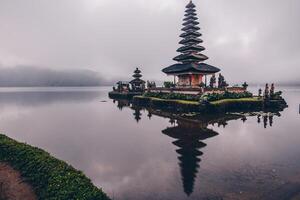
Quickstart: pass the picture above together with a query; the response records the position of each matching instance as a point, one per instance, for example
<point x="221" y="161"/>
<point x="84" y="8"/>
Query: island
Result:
<point x="197" y="86"/>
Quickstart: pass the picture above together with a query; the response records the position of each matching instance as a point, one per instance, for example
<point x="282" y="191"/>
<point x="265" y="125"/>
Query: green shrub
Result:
<point x="225" y="95"/>
<point x="168" y="84"/>
<point x="277" y="96"/>
<point x="177" y="96"/>
<point x="52" y="179"/>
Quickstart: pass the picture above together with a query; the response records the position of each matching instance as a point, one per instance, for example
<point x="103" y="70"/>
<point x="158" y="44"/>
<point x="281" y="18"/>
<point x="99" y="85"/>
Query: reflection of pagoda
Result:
<point x="137" y="113"/>
<point x="189" y="138"/>
<point x="121" y="103"/>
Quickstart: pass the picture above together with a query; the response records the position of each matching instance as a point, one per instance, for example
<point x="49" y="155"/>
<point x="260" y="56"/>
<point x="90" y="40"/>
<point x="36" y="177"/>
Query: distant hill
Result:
<point x="39" y="77"/>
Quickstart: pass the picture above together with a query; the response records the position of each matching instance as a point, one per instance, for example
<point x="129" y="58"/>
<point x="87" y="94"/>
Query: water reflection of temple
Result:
<point x="190" y="131"/>
<point x="188" y="138"/>
<point x="121" y="103"/>
<point x="137" y="113"/>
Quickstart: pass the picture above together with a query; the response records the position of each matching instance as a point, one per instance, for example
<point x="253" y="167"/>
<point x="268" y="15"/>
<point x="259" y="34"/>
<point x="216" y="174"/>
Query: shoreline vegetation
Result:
<point x="217" y="106"/>
<point x="50" y="178"/>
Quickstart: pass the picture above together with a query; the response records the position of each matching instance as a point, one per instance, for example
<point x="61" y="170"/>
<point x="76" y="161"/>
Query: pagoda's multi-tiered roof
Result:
<point x="191" y="57"/>
<point x="137" y="77"/>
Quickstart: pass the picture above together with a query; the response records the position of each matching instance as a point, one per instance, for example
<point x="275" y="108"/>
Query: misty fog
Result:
<point x="250" y="40"/>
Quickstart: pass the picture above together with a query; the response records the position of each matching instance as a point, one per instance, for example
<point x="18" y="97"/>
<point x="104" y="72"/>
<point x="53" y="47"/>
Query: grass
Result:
<point x="51" y="179"/>
<point x="185" y="102"/>
<point x="241" y="100"/>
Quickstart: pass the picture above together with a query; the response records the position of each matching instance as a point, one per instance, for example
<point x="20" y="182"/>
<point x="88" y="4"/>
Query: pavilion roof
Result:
<point x="190" y="67"/>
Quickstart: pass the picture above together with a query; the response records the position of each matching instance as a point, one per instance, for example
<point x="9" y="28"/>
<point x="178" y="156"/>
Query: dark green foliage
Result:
<point x="267" y="92"/>
<point x="168" y="84"/>
<point x="161" y="95"/>
<point x="212" y="81"/>
<point x="206" y="97"/>
<point x="277" y="95"/>
<point x="226" y="95"/>
<point x="221" y="82"/>
<point x="51" y="178"/>
<point x="245" y="85"/>
<point x="259" y="92"/>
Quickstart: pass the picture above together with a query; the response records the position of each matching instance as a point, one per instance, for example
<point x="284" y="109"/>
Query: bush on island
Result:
<point x="51" y="179"/>
<point x="206" y="97"/>
<point x="226" y="95"/>
<point x="177" y="96"/>
<point x="168" y="84"/>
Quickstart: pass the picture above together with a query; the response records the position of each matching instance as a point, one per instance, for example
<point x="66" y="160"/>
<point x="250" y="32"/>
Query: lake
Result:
<point x="136" y="154"/>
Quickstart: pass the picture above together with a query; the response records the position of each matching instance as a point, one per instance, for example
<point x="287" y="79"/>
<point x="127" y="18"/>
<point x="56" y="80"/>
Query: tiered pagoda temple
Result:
<point x="138" y="85"/>
<point x="190" y="68"/>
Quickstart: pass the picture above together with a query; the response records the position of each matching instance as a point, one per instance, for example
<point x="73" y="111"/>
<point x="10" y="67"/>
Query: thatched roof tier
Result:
<point x="137" y="71"/>
<point x="190" y="18"/>
<point x="136" y="75"/>
<point x="190" y="5"/>
<point x="191" y="40"/>
<point x="191" y="33"/>
<point x="190" y="28"/>
<point x="192" y="48"/>
<point x="190" y="10"/>
<point x="190" y="57"/>
<point x="201" y="68"/>
<point x="190" y="14"/>
<point x="190" y="22"/>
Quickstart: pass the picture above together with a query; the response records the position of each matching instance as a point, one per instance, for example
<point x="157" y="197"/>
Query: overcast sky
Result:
<point x="253" y="40"/>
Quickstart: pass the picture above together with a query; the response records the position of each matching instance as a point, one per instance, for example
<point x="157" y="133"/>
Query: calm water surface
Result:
<point x="136" y="154"/>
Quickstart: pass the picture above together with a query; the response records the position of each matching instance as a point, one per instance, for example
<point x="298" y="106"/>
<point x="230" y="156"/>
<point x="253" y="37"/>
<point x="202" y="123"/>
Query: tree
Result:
<point x="221" y="82"/>
<point x="272" y="90"/>
<point x="212" y="81"/>
<point x="245" y="85"/>
<point x="259" y="92"/>
<point x="266" y="94"/>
